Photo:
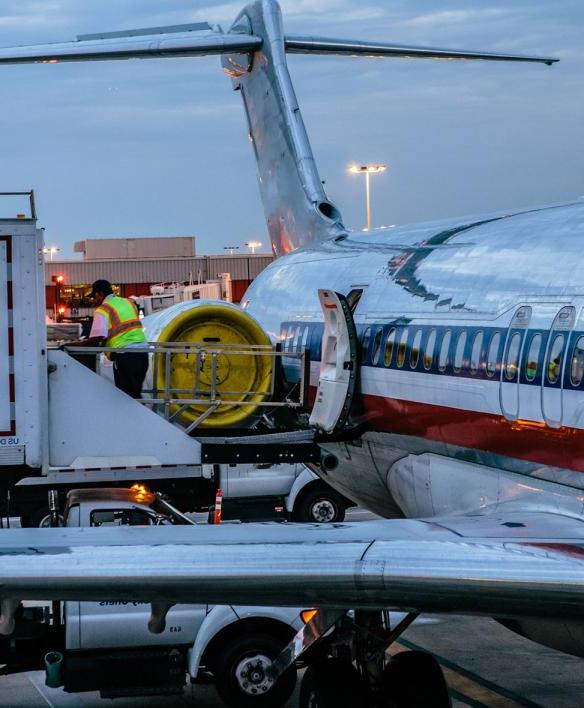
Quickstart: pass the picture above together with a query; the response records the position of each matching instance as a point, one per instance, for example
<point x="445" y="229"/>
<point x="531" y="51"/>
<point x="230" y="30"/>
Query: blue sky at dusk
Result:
<point x="159" y="147"/>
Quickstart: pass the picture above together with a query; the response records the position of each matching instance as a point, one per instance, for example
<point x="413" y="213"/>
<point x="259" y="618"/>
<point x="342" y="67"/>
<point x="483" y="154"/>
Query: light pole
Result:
<point x="51" y="250"/>
<point x="253" y="245"/>
<point x="230" y="249"/>
<point x="367" y="170"/>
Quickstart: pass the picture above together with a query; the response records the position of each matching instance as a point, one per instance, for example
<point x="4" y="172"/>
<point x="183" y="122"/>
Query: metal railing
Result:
<point x="31" y="202"/>
<point x="207" y="373"/>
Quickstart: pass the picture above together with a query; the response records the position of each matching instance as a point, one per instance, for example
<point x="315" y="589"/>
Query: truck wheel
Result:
<point x="321" y="504"/>
<point x="240" y="673"/>
<point x="41" y="518"/>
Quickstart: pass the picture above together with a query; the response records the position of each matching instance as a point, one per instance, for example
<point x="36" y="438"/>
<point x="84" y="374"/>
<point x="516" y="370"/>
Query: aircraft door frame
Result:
<point x="552" y="391"/>
<point x="510" y="377"/>
<point x="338" y="364"/>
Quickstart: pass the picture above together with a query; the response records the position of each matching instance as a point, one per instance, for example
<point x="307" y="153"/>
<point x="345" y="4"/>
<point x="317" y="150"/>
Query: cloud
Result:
<point x="444" y="18"/>
<point x="337" y="11"/>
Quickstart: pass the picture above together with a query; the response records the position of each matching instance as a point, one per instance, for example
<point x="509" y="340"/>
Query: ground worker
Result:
<point x="116" y="324"/>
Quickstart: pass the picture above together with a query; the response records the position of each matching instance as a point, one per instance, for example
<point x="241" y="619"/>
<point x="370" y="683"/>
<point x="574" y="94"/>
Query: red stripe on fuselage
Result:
<point x="563" y="447"/>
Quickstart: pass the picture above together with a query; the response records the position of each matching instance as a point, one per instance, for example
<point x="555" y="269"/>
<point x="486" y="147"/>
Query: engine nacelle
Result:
<point x="240" y="377"/>
<point x="557" y="634"/>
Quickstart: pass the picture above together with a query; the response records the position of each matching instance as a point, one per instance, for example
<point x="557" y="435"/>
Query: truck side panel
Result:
<point x="23" y="390"/>
<point x="125" y="624"/>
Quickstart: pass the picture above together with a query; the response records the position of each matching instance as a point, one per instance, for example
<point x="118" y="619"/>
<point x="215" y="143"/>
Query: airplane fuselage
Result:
<point x="471" y="352"/>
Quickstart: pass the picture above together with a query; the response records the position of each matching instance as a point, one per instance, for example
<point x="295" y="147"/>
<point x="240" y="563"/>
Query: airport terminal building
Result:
<point x="133" y="265"/>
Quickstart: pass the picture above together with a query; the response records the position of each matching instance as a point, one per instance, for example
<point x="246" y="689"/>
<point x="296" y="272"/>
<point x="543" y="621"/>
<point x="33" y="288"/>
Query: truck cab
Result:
<point x="108" y="647"/>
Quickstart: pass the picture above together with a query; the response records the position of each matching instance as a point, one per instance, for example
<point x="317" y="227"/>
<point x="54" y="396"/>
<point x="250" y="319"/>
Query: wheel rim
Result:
<point x="251" y="675"/>
<point x="323" y="510"/>
<point x="45" y="522"/>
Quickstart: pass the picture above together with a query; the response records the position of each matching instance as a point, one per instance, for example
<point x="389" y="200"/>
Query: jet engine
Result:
<point x="230" y="361"/>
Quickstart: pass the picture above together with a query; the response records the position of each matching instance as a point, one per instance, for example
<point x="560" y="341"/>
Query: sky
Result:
<point x="159" y="147"/>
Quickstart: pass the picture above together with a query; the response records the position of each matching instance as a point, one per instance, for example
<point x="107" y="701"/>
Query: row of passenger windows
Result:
<point x="396" y="346"/>
<point x="295" y="337"/>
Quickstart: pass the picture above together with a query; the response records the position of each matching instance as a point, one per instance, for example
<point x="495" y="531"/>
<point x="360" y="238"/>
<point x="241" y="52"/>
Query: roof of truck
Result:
<point x="137" y="495"/>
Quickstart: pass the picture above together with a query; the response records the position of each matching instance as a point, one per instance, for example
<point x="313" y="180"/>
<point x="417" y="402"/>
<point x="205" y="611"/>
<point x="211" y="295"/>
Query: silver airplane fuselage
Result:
<point x="471" y="340"/>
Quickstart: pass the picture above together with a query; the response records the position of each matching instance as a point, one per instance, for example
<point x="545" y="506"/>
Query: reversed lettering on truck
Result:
<point x="9" y="441"/>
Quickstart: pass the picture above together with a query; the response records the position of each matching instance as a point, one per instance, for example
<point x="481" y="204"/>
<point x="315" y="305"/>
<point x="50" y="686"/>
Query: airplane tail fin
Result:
<point x="254" y="55"/>
<point x="296" y="207"/>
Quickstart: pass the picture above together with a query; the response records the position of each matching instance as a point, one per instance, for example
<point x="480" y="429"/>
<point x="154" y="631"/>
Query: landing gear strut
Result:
<point x="351" y="667"/>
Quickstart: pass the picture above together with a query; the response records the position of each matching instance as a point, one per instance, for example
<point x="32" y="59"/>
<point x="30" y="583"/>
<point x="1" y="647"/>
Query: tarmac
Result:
<point x="484" y="664"/>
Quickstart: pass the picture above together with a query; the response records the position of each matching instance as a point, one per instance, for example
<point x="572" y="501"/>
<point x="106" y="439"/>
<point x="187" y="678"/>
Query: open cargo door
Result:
<point x="338" y="364"/>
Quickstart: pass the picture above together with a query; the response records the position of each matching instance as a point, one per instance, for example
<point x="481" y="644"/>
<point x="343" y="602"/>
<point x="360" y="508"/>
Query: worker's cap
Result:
<point x="101" y="286"/>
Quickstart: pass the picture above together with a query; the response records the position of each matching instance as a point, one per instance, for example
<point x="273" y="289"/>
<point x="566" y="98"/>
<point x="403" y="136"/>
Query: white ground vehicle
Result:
<point x="256" y="492"/>
<point x="291" y="490"/>
<point x="107" y="646"/>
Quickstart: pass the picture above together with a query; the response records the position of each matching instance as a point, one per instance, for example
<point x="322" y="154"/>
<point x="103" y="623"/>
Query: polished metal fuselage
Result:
<point x="469" y="274"/>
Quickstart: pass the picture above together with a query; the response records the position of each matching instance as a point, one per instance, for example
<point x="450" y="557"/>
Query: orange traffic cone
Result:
<point x="218" y="504"/>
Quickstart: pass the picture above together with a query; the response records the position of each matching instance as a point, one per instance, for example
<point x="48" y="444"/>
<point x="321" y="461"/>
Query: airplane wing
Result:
<point x="512" y="564"/>
<point x="297" y="44"/>
<point x="177" y="41"/>
<point x="201" y="39"/>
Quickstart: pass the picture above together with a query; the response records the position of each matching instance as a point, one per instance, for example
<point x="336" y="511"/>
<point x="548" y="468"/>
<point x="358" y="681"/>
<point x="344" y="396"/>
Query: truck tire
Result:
<point x="239" y="671"/>
<point x="41" y="518"/>
<point x="321" y="504"/>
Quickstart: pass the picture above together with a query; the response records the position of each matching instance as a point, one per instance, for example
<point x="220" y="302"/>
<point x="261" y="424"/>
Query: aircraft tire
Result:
<point x="332" y="683"/>
<point x="414" y="679"/>
<point x="239" y="668"/>
<point x="320" y="505"/>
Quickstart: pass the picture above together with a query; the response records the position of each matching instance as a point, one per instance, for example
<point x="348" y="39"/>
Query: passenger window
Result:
<point x="459" y="352"/>
<point x="377" y="346"/>
<point x="555" y="359"/>
<point x="305" y="337"/>
<point x="296" y="338"/>
<point x="389" y="344"/>
<point x="429" y="351"/>
<point x="492" y="354"/>
<point x="290" y="339"/>
<point x="444" y="349"/>
<point x="512" y="360"/>
<point x="401" y="350"/>
<point x="475" y="354"/>
<point x="532" y="357"/>
<point x="415" y="352"/>
<point x="577" y="368"/>
<point x="366" y="338"/>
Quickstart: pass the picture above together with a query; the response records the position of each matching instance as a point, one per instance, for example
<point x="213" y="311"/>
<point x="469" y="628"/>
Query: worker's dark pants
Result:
<point x="130" y="371"/>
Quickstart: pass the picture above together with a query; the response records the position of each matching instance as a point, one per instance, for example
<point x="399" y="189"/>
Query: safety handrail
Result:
<point x="171" y="402"/>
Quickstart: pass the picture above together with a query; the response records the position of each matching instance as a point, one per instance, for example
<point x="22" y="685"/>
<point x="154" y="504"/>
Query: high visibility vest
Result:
<point x="123" y="322"/>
